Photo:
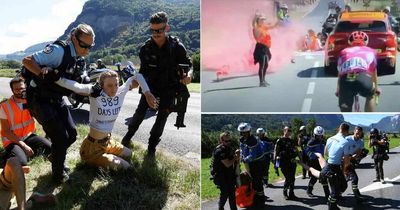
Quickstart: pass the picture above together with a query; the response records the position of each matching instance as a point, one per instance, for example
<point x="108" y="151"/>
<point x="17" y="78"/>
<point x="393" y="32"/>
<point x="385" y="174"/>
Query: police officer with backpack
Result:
<point x="302" y="140"/>
<point x="379" y="148"/>
<point x="44" y="97"/>
<point x="161" y="58"/>
<point x="223" y="166"/>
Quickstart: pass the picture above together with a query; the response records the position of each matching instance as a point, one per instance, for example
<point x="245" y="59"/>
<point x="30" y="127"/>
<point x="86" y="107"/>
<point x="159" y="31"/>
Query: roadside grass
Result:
<point x="210" y="191"/>
<point x="7" y="73"/>
<point x="163" y="182"/>
<point x="194" y="87"/>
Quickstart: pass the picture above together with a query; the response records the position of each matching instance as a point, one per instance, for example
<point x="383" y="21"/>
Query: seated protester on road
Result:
<point x="18" y="127"/>
<point x="223" y="165"/>
<point x="356" y="145"/>
<point x="379" y="153"/>
<point x="357" y="73"/>
<point x="316" y="145"/>
<point x="312" y="42"/>
<point x="252" y="153"/>
<point x="106" y="100"/>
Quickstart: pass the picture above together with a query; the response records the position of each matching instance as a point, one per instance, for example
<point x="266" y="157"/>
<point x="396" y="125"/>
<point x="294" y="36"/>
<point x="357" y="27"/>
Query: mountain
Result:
<point x="272" y="121"/>
<point x="388" y="124"/>
<point x="121" y="26"/>
<point x="19" y="55"/>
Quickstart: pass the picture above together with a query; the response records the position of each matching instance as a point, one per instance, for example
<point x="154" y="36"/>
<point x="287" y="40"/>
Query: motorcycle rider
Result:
<point x="392" y="20"/>
<point x="283" y="14"/>
<point x="44" y="97"/>
<point x="252" y="154"/>
<point x="316" y="145"/>
<point x="357" y="73"/>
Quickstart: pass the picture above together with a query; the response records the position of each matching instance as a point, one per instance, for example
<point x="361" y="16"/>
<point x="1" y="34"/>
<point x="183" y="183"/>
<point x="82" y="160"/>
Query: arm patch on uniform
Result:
<point x="48" y="49"/>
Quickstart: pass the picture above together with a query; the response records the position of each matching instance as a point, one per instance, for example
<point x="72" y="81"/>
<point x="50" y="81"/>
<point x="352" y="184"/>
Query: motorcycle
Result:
<point x="327" y="28"/>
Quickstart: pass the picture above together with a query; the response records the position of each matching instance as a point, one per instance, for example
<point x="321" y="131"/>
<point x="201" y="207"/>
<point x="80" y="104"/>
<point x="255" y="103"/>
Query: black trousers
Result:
<point x="289" y="171"/>
<point x="227" y="187"/>
<point x="57" y="123"/>
<point x="379" y="168"/>
<point x="38" y="144"/>
<point x="336" y="181"/>
<point x="164" y="110"/>
<point x="262" y="55"/>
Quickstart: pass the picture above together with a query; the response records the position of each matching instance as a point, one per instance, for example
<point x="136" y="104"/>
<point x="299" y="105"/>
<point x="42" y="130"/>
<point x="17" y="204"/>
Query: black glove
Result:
<point x="96" y="90"/>
<point x="52" y="75"/>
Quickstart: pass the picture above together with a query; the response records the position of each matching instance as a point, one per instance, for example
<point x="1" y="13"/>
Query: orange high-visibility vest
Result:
<point x="20" y="121"/>
<point x="265" y="39"/>
<point x="242" y="200"/>
<point x="314" y="43"/>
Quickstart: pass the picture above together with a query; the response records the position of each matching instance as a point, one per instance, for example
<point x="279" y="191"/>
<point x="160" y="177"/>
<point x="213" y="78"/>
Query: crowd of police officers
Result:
<point x="343" y="152"/>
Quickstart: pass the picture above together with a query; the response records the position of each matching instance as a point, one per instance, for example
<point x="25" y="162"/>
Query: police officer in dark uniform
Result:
<point x="379" y="147"/>
<point x="316" y="145"/>
<point x="302" y="140"/>
<point x="285" y="153"/>
<point x="44" y="97"/>
<point x="252" y="154"/>
<point x="223" y="163"/>
<point x="269" y="149"/>
<point x="160" y="57"/>
<point x="100" y="64"/>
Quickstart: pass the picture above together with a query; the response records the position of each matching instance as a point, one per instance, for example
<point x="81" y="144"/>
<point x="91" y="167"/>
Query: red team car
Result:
<point x="381" y="38"/>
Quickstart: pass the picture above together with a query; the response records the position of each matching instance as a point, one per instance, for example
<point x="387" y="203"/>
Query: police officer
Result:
<point x="356" y="145"/>
<point x="100" y="64"/>
<point x="159" y="59"/>
<point x="44" y="97"/>
<point x="223" y="163"/>
<point x="336" y="149"/>
<point x="269" y="149"/>
<point x="379" y="147"/>
<point x="252" y="154"/>
<point x="302" y="140"/>
<point x="285" y="153"/>
<point x="316" y="145"/>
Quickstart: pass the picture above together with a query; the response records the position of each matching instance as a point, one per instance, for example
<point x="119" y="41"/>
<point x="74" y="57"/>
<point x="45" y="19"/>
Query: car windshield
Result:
<point x="374" y="26"/>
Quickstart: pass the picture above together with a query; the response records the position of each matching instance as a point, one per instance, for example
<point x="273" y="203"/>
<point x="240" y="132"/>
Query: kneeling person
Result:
<point x="106" y="99"/>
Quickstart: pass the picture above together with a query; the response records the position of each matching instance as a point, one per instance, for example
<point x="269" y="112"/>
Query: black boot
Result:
<point x="292" y="196"/>
<point x="333" y="206"/>
<point x="358" y="195"/>
<point x="285" y="195"/>
<point x="309" y="191"/>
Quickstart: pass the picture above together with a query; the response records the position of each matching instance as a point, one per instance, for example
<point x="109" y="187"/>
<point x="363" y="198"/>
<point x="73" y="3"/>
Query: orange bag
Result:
<point x="243" y="200"/>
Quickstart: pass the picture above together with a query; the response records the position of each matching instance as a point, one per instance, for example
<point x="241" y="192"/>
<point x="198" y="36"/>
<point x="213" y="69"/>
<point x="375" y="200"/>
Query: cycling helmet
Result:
<point x="302" y="128"/>
<point x="99" y="60"/>
<point x="358" y="38"/>
<point x="374" y="131"/>
<point x="260" y="130"/>
<point x="244" y="127"/>
<point x="386" y="9"/>
<point x="319" y="131"/>
<point x="284" y="6"/>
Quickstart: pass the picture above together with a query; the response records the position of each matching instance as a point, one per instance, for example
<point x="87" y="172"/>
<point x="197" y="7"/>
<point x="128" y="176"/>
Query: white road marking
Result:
<point x="311" y="87"/>
<point x="306" y="105"/>
<point x="379" y="185"/>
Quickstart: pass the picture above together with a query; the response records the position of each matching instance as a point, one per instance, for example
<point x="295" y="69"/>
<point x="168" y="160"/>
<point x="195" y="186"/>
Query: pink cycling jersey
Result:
<point x="357" y="60"/>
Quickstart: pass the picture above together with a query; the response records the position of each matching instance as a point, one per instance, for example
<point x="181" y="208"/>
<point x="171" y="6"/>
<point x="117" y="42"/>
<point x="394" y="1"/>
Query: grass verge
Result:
<point x="7" y="73"/>
<point x="163" y="182"/>
<point x="210" y="191"/>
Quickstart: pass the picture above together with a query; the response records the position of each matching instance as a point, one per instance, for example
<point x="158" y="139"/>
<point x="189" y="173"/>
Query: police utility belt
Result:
<point x="51" y="96"/>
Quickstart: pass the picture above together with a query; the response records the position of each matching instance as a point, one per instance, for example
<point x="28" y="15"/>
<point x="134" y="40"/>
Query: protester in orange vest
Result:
<point x="262" y="53"/>
<point x="18" y="127"/>
<point x="245" y="192"/>
<point x="312" y="42"/>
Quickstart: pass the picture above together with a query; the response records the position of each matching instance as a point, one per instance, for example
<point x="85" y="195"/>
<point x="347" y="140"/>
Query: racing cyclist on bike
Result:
<point x="357" y="73"/>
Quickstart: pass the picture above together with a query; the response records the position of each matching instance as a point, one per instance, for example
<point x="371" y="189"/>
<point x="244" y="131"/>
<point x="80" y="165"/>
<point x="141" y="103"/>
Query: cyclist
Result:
<point x="357" y="73"/>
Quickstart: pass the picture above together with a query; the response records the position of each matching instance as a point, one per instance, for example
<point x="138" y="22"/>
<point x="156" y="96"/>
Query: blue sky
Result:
<point x="364" y="119"/>
<point x="27" y="22"/>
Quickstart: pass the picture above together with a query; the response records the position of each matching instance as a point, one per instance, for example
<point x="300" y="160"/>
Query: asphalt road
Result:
<point x="378" y="195"/>
<point x="294" y="87"/>
<point x="183" y="143"/>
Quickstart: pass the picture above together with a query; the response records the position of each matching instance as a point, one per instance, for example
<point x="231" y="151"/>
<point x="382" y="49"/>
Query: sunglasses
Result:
<point x="84" y="45"/>
<point x="157" y="31"/>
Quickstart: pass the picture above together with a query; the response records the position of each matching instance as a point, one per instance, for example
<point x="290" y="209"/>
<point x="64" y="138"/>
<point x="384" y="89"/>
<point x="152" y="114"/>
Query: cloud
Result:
<point x="22" y="33"/>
